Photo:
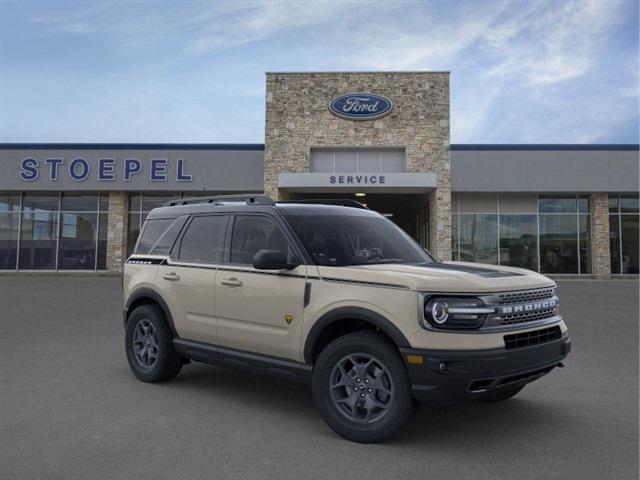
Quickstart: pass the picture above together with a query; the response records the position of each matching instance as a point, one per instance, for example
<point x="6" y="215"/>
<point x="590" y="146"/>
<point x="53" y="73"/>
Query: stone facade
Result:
<point x="298" y="119"/>
<point x="117" y="230"/>
<point x="600" y="247"/>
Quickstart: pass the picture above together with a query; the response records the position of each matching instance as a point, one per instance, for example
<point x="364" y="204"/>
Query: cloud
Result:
<point x="521" y="71"/>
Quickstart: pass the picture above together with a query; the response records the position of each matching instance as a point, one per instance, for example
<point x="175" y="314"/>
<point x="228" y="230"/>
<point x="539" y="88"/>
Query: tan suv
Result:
<point x="337" y="295"/>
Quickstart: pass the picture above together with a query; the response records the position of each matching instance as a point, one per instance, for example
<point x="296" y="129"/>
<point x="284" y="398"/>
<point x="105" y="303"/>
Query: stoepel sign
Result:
<point x="360" y="106"/>
<point x="107" y="169"/>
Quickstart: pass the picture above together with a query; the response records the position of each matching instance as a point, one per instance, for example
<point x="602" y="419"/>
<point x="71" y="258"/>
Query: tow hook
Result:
<point x="560" y="365"/>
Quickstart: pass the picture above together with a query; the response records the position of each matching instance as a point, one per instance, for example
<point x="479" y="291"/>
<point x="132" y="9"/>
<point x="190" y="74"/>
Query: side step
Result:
<point x="232" y="358"/>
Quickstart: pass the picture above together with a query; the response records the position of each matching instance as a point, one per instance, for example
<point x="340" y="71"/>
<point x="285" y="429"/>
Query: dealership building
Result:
<point x="382" y="138"/>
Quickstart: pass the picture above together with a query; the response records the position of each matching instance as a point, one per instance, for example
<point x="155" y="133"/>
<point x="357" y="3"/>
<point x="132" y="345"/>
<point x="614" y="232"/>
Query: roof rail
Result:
<point x="343" y="202"/>
<point x="248" y="199"/>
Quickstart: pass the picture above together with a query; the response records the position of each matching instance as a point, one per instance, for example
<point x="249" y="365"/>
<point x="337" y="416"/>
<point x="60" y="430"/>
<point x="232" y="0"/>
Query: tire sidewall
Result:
<point x="165" y="343"/>
<point x="402" y="404"/>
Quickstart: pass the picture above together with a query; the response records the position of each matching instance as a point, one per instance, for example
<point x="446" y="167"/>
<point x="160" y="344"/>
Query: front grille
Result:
<point x="516" y="318"/>
<point x="525" y="296"/>
<point x="535" y="337"/>
<point x="521" y="307"/>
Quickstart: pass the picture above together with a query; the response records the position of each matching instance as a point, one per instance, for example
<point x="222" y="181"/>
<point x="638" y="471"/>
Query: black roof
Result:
<point x="257" y="204"/>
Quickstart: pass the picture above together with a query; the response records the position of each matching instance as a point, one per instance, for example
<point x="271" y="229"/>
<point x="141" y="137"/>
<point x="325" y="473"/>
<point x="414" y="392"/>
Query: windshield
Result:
<point x="346" y="240"/>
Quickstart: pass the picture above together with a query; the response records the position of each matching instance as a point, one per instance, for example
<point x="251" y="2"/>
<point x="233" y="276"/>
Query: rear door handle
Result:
<point x="231" y="282"/>
<point x="172" y="276"/>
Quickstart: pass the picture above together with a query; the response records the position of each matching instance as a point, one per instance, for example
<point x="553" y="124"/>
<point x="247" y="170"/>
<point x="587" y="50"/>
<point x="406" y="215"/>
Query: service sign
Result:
<point x="360" y="106"/>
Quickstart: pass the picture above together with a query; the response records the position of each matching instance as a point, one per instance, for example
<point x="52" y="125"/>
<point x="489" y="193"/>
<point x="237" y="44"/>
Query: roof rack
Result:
<point x="343" y="202"/>
<point x="248" y="199"/>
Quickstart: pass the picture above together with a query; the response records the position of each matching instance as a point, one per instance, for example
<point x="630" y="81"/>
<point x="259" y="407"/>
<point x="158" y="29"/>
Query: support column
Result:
<point x="117" y="230"/>
<point x="440" y="224"/>
<point x="600" y="248"/>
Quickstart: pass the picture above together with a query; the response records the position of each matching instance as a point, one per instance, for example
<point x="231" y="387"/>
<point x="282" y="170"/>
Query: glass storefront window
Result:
<point x="9" y="202"/>
<point x="478" y="238"/>
<point x="38" y="240"/>
<point x="455" y="252"/>
<point x="77" y="247"/>
<point x="9" y="222"/>
<point x="629" y="204"/>
<point x="584" y="236"/>
<point x="557" y="204"/>
<point x="41" y="201"/>
<point x="558" y="244"/>
<point x="629" y="241"/>
<point x="53" y="231"/>
<point x="623" y="233"/>
<point x="519" y="241"/>
<point x="79" y="202"/>
<point x="614" y="242"/>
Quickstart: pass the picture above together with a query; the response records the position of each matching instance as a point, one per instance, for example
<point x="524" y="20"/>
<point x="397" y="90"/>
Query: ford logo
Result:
<point x="360" y="106"/>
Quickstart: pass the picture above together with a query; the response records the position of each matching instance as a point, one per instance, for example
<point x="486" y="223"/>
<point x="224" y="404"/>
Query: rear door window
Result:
<point x="203" y="241"/>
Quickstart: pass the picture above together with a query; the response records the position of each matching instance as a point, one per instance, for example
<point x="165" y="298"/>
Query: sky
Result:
<point x="193" y="72"/>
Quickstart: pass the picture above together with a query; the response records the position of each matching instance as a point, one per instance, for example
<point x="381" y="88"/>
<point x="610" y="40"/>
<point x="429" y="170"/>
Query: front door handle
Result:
<point x="172" y="276"/>
<point x="231" y="282"/>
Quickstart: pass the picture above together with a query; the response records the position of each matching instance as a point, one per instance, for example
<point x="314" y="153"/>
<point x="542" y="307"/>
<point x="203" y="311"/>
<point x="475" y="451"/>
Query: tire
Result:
<point x="149" y="345"/>
<point x="502" y="394"/>
<point x="372" y="400"/>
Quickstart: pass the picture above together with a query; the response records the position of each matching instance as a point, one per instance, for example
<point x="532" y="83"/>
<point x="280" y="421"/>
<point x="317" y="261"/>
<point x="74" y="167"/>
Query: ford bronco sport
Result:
<point x="337" y="295"/>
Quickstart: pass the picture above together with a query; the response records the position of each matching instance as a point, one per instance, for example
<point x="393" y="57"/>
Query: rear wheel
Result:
<point x="361" y="387"/>
<point x="502" y="394"/>
<point x="149" y="345"/>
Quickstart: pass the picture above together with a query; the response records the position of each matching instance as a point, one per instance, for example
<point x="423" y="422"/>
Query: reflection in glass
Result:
<point x="479" y="238"/>
<point x="454" y="238"/>
<point x="103" y="228"/>
<point x="630" y="246"/>
<point x="8" y="240"/>
<point x="518" y="241"/>
<point x="614" y="242"/>
<point x="38" y="240"/>
<point x="585" y="244"/>
<point x="79" y="202"/>
<point x="132" y="232"/>
<point x="151" y="201"/>
<point x="9" y="202"/>
<point x="77" y="249"/>
<point x="629" y="203"/>
<point x="40" y="201"/>
<point x="583" y="204"/>
<point x="557" y="204"/>
<point x="558" y="244"/>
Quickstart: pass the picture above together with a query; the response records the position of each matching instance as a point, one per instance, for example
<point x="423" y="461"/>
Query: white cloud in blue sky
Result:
<point x="521" y="72"/>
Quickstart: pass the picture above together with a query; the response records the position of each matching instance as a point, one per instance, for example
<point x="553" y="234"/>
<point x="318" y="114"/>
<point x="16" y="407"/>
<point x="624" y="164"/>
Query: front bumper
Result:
<point x="446" y="377"/>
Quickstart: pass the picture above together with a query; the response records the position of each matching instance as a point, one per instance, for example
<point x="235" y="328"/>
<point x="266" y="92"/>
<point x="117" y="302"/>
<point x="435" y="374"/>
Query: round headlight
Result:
<point x="439" y="312"/>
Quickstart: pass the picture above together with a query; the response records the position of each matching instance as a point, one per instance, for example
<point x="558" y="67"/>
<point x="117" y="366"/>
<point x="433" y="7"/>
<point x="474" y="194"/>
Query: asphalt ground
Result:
<point x="71" y="409"/>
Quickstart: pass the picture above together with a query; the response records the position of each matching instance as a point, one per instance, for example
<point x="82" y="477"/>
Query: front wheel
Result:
<point x="361" y="387"/>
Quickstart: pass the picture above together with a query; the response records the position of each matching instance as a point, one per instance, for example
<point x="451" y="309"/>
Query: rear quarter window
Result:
<point x="159" y="235"/>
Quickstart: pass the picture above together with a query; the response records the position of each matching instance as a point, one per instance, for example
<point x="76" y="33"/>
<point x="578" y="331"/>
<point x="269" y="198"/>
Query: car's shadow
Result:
<point x="486" y="423"/>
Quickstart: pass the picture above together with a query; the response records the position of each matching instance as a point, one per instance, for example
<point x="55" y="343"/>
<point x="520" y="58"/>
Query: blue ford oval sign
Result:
<point x="360" y="106"/>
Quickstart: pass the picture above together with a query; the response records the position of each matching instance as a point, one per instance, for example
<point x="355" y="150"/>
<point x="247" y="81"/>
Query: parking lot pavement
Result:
<point x="71" y="409"/>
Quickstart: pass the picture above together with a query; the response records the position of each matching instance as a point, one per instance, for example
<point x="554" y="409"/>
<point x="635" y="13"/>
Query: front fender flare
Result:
<point x="351" y="313"/>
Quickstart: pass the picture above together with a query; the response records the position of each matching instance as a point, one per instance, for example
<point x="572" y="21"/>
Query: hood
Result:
<point x="457" y="277"/>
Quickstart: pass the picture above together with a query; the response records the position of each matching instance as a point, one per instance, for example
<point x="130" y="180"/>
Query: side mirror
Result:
<point x="271" y="260"/>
